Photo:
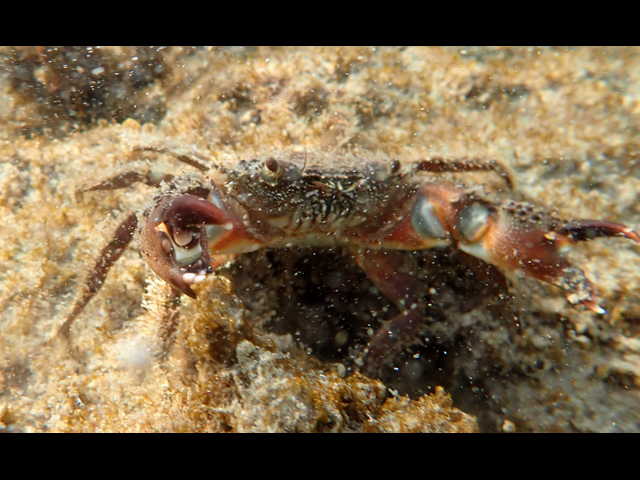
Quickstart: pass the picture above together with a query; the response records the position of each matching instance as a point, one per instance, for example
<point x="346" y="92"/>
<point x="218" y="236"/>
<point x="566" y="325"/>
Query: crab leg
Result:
<point x="109" y="255"/>
<point x="128" y="178"/>
<point x="383" y="270"/>
<point x="440" y="164"/>
<point x="142" y="173"/>
<point x="200" y="163"/>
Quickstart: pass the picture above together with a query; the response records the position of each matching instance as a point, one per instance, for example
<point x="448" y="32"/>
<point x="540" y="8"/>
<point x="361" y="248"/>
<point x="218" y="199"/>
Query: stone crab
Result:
<point x="368" y="205"/>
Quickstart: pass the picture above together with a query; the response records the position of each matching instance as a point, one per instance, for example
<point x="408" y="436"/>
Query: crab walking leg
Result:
<point x="109" y="255"/>
<point x="139" y="172"/>
<point x="168" y="318"/>
<point x="188" y="157"/>
<point x="128" y="178"/>
<point x="440" y="164"/>
<point x="383" y="270"/>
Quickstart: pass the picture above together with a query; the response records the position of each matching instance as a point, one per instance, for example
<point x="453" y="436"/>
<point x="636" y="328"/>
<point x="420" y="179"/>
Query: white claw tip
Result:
<point x="193" y="279"/>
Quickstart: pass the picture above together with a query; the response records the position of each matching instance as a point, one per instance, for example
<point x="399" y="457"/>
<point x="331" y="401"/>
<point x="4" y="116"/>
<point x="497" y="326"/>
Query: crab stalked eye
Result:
<point x="426" y="221"/>
<point x="272" y="170"/>
<point x="394" y="166"/>
<point x="473" y="221"/>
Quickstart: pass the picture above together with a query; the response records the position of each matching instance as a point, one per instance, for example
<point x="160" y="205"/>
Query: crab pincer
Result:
<point x="174" y="239"/>
<point x="517" y="236"/>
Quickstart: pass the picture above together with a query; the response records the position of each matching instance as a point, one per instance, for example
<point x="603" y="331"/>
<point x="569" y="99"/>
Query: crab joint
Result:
<point x="473" y="221"/>
<point x="426" y="220"/>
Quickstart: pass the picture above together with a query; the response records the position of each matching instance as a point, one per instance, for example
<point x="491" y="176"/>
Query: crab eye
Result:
<point x="394" y="166"/>
<point x="272" y="170"/>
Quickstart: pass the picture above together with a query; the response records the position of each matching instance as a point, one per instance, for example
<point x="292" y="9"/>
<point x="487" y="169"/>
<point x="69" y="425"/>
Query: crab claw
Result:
<point x="515" y="237"/>
<point x="520" y="238"/>
<point x="583" y="230"/>
<point x="174" y="239"/>
<point x="572" y="278"/>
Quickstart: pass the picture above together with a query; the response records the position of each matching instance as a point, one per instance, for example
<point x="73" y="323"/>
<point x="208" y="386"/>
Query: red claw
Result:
<point x="536" y="249"/>
<point x="188" y="212"/>
<point x="174" y="240"/>
<point x="583" y="230"/>
<point x="513" y="236"/>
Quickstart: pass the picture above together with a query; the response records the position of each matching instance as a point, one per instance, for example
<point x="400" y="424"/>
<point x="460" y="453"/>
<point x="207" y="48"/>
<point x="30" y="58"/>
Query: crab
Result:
<point x="368" y="205"/>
